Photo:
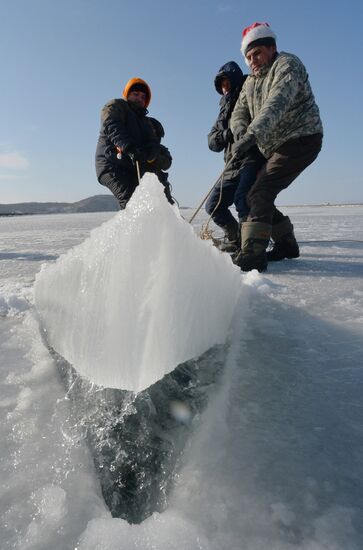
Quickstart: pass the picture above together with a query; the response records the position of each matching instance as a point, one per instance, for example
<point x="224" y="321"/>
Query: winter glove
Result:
<point x="152" y="152"/>
<point x="135" y="153"/>
<point x="163" y="159"/>
<point x="239" y="148"/>
<point x="227" y="136"/>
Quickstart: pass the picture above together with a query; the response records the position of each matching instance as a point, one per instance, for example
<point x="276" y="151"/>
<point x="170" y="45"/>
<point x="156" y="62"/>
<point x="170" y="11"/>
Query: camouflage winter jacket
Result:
<point x="277" y="106"/>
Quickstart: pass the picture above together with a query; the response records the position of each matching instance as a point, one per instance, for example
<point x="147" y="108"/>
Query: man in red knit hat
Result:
<point x="276" y="111"/>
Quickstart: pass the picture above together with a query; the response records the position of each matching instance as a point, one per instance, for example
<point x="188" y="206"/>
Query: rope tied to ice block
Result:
<point x="205" y="232"/>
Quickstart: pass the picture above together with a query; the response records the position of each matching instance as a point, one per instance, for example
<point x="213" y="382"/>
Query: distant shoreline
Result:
<point x="106" y="203"/>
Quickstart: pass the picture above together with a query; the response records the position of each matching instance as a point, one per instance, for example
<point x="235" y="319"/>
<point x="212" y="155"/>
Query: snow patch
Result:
<point x="50" y="509"/>
<point x="12" y="305"/>
<point x="168" y="531"/>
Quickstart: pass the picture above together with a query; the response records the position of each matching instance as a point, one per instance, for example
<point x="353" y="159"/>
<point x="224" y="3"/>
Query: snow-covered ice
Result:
<point x="125" y="306"/>
<point x="275" y="460"/>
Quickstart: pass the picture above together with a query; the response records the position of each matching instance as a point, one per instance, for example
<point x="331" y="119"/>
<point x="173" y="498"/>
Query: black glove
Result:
<point x="152" y="152"/>
<point x="136" y="154"/>
<point x="227" y="136"/>
<point x="163" y="159"/>
<point x="239" y="148"/>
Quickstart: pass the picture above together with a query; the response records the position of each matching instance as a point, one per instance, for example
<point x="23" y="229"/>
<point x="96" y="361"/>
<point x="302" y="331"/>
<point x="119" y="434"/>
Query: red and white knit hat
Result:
<point x="260" y="32"/>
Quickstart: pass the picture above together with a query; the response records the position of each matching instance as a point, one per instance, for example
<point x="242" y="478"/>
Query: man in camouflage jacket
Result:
<point x="275" y="110"/>
<point x="128" y="138"/>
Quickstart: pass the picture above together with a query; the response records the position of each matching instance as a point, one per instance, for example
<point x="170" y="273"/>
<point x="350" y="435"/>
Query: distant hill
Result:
<point x="97" y="203"/>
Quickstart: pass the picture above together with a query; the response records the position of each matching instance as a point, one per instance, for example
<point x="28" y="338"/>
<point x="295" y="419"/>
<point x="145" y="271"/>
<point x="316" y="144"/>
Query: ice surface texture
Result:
<point x="140" y="296"/>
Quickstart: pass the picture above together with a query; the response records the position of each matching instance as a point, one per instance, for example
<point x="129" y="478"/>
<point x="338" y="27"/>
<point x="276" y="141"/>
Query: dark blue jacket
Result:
<point x="123" y="126"/>
<point x="220" y="137"/>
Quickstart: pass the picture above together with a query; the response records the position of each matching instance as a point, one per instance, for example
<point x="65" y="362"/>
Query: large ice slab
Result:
<point x="141" y="295"/>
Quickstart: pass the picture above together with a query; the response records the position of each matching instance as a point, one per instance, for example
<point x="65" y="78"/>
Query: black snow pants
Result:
<point x="234" y="191"/>
<point x="123" y="185"/>
<point x="280" y="170"/>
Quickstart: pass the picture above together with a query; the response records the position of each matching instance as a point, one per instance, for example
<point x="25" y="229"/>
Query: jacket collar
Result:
<point x="141" y="111"/>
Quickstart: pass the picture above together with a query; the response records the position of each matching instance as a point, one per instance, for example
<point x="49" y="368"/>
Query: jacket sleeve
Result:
<point x="240" y="118"/>
<point x="113" y="117"/>
<point x="216" y="140"/>
<point x="218" y="136"/>
<point x="282" y="94"/>
<point x="281" y="98"/>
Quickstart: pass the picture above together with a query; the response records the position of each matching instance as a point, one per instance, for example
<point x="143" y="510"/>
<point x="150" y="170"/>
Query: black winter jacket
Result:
<point x="124" y="126"/>
<point x="220" y="137"/>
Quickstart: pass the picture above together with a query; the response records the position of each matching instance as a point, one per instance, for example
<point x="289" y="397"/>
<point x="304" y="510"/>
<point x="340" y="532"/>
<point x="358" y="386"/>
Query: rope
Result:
<point x="139" y="179"/>
<point x="138" y="171"/>
<point x="205" y="232"/>
<point x="172" y="196"/>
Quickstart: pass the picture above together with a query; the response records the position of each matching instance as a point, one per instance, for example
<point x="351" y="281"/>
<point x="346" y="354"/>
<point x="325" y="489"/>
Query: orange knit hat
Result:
<point x="139" y="82"/>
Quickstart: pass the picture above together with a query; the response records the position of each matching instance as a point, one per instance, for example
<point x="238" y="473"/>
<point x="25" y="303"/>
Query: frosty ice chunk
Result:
<point x="141" y="295"/>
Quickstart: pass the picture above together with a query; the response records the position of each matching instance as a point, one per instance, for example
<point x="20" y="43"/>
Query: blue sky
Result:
<point x="61" y="61"/>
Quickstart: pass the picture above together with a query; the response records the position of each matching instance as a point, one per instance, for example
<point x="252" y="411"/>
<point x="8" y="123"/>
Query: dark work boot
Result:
<point x="230" y="242"/>
<point x="238" y="249"/>
<point x="255" y="237"/>
<point x="285" y="244"/>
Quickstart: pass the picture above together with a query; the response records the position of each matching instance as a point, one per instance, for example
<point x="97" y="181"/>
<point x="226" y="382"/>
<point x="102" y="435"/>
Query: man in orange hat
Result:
<point x="129" y="141"/>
